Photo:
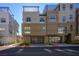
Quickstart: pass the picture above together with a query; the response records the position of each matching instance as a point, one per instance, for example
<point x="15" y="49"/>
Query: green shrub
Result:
<point x="24" y="44"/>
<point x="67" y="41"/>
<point x="75" y="42"/>
<point x="12" y="42"/>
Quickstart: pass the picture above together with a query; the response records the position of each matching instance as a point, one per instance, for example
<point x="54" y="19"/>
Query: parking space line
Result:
<point x="59" y="50"/>
<point x="65" y="51"/>
<point x="20" y="50"/>
<point x="70" y="50"/>
<point x="48" y="50"/>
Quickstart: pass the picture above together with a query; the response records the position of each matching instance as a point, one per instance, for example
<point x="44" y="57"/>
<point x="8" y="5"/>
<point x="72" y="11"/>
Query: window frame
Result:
<point x="53" y="18"/>
<point x="43" y="29"/>
<point x="63" y="7"/>
<point x="3" y="20"/>
<point x="61" y="30"/>
<point x="28" y="19"/>
<point x="42" y="20"/>
<point x="71" y="6"/>
<point x="63" y="18"/>
<point x="70" y="16"/>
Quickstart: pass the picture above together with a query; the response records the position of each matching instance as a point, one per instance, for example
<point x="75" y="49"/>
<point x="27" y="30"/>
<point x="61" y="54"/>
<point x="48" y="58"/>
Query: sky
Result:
<point x="17" y="8"/>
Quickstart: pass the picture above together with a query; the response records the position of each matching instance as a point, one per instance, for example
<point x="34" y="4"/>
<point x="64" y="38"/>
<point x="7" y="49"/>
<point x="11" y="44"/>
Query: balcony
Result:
<point x="30" y="8"/>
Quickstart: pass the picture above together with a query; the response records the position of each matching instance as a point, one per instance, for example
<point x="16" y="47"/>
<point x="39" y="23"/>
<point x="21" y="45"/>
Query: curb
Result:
<point x="9" y="46"/>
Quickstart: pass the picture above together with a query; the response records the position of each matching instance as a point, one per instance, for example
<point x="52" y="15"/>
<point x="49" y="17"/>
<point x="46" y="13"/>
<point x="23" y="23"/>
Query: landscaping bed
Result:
<point x="75" y="42"/>
<point x="24" y="44"/>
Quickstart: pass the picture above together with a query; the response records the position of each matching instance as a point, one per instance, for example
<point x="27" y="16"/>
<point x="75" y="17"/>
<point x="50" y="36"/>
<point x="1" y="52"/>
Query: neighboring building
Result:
<point x="67" y="20"/>
<point x="8" y="26"/>
<point x="77" y="21"/>
<point x="52" y="22"/>
<point x="54" y="25"/>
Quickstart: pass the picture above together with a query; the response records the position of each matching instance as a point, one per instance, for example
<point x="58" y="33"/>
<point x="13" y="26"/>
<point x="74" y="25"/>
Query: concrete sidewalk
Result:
<point x="8" y="46"/>
<point x="53" y="45"/>
<point x="64" y="45"/>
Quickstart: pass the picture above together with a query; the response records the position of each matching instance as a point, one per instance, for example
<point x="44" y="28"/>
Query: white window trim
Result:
<point x="28" y="22"/>
<point x="61" y="30"/>
<point x="27" y="32"/>
<point x="42" y="22"/>
<point x="2" y="29"/>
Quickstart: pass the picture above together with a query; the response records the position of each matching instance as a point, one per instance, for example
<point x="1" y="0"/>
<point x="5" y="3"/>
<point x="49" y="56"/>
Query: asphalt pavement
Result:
<point x="41" y="51"/>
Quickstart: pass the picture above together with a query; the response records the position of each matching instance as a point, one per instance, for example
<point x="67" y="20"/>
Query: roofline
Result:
<point x="8" y="9"/>
<point x="5" y="7"/>
<point x="31" y="7"/>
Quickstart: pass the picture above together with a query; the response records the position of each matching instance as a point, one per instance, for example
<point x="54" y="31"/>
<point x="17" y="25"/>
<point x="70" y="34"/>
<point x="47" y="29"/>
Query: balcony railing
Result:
<point x="31" y="8"/>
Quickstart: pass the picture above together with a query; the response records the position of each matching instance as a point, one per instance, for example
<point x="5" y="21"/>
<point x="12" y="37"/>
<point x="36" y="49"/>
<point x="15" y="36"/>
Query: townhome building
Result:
<point x="55" y="25"/>
<point x="8" y="26"/>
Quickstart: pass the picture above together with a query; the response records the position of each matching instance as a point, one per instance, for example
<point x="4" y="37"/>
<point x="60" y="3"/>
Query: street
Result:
<point x="41" y="51"/>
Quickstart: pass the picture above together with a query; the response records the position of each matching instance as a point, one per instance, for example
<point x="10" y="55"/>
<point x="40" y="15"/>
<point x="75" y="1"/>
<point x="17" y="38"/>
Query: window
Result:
<point x="65" y="29"/>
<point x="43" y="29"/>
<point x="63" y="18"/>
<point x="61" y="30"/>
<point x="53" y="18"/>
<point x="27" y="30"/>
<point x="71" y="27"/>
<point x="42" y="20"/>
<point x="64" y="7"/>
<point x="71" y="17"/>
<point x="3" y="20"/>
<point x="2" y="29"/>
<point x="28" y="19"/>
<point x="10" y="31"/>
<point x="71" y="6"/>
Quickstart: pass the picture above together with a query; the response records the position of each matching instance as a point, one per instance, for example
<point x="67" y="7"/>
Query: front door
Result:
<point x="68" y="38"/>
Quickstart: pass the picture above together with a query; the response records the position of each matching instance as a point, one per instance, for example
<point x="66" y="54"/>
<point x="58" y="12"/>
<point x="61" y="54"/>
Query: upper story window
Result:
<point x="71" y="17"/>
<point x="27" y="28"/>
<point x="53" y="18"/>
<point x="2" y="29"/>
<point x="60" y="29"/>
<point x="43" y="29"/>
<point x="42" y="20"/>
<point x="3" y="20"/>
<point x="71" y="6"/>
<point x="64" y="7"/>
<point x="28" y="19"/>
<point x="63" y="18"/>
<point x="65" y="29"/>
<point x="71" y="27"/>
